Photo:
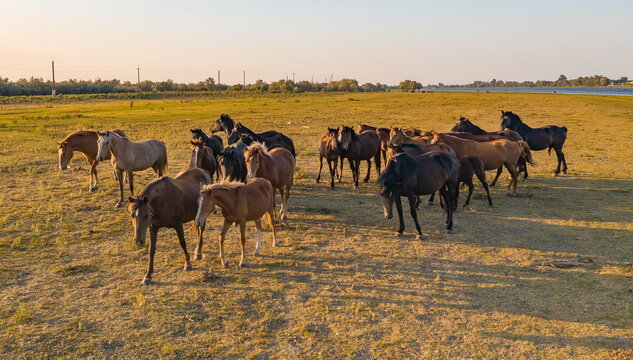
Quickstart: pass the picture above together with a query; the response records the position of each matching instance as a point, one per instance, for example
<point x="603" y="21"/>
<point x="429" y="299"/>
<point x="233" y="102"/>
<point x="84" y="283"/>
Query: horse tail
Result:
<point x="526" y="152"/>
<point x="564" y="129"/>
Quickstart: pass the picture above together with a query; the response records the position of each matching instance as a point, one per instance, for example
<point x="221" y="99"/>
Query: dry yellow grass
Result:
<point x="341" y="285"/>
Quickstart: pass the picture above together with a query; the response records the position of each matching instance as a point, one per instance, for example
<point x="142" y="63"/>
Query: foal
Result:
<point x="276" y="166"/>
<point x="328" y="150"/>
<point x="358" y="147"/>
<point x="202" y="157"/>
<point x="239" y="203"/>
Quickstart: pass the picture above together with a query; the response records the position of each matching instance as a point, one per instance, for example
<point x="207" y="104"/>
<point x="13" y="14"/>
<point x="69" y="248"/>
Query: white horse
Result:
<point x="128" y="156"/>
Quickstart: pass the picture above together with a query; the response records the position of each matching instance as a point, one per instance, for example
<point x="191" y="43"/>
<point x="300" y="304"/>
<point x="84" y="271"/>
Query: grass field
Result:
<point x="340" y="285"/>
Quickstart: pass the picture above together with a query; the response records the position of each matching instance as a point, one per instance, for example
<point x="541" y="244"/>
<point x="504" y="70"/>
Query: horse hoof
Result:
<point x="450" y="231"/>
<point x="146" y="281"/>
<point x="243" y="265"/>
<point x="225" y="263"/>
<point x="317" y="181"/>
<point x="419" y="237"/>
<point x="399" y="234"/>
<point x="92" y="189"/>
<point x="198" y="256"/>
<point x="187" y="267"/>
<point x="118" y="205"/>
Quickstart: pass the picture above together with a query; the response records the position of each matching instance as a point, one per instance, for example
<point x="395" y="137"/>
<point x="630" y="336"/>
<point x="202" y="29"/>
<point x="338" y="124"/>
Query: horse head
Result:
<point x="140" y="213"/>
<point x="104" y="143"/>
<point x="65" y="154"/>
<point x="345" y="137"/>
<point x="509" y="120"/>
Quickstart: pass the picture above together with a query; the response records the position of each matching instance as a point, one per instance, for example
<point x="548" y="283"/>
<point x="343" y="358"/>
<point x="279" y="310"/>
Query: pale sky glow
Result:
<point x="371" y="41"/>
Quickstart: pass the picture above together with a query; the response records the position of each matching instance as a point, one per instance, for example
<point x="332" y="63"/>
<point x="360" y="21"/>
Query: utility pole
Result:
<point x="219" y="77"/>
<point x="244" y="77"/>
<point x="53" y="69"/>
<point x="312" y="80"/>
<point x="293" y="77"/>
<point x="138" y="77"/>
<point x="331" y="77"/>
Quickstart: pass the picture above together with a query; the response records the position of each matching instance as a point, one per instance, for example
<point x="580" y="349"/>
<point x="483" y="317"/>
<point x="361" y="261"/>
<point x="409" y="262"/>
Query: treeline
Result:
<point x="37" y="86"/>
<point x="586" y="81"/>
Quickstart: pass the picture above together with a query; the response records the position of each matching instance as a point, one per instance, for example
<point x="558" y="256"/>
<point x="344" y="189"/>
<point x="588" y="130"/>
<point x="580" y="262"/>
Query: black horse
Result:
<point x="410" y="176"/>
<point x="224" y="123"/>
<point x="214" y="142"/>
<point x="466" y="126"/>
<point x="547" y="137"/>
<point x="272" y="139"/>
<point x="233" y="162"/>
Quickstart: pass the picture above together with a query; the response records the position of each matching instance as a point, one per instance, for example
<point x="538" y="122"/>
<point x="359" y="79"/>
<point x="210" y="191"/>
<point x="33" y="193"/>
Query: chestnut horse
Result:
<point x="128" y="156"/>
<point x="169" y="203"/>
<point x="276" y="165"/>
<point x="202" y="157"/>
<point x="328" y="150"/>
<point x="239" y="203"/>
<point x="358" y="147"/>
<point x="397" y="137"/>
<point x="84" y="141"/>
<point x="547" y="137"/>
<point x="494" y="154"/>
<point x="384" y="137"/>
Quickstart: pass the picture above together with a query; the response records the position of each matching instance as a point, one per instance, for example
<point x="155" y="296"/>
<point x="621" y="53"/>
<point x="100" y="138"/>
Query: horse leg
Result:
<point x="400" y="217"/>
<point x="414" y="215"/>
<point x="378" y="165"/>
<point x="564" y="161"/>
<point x="198" y="252"/>
<point x="482" y="180"/>
<point x="271" y="221"/>
<point x="243" y="243"/>
<point x="471" y="187"/>
<point x="130" y="176"/>
<point x="119" y="176"/>
<point x="332" y="171"/>
<point x="512" y="186"/>
<point x="431" y="199"/>
<point x="351" y="166"/>
<point x="285" y="200"/>
<point x="183" y="244"/>
<point x="153" y="234"/>
<point x="366" y="179"/>
<point x="499" y="170"/>
<point x="448" y="193"/>
<point x="258" y="245"/>
<point x="320" y="167"/>
<point x="522" y="167"/>
<point x="225" y="228"/>
<point x="340" y="173"/>
<point x="561" y="161"/>
<point x="93" y="172"/>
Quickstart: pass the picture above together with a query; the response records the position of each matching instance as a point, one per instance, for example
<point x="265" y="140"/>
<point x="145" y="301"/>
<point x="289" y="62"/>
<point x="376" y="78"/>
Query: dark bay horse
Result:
<point x="547" y="137"/>
<point x="384" y="137"/>
<point x="357" y="147"/>
<point x="328" y="150"/>
<point x="411" y="176"/>
<point x="272" y="139"/>
<point x="233" y="162"/>
<point x="276" y="165"/>
<point x="84" y="141"/>
<point x="214" y="142"/>
<point x="239" y="203"/>
<point x="202" y="157"/>
<point x="169" y="203"/>
<point x="224" y="123"/>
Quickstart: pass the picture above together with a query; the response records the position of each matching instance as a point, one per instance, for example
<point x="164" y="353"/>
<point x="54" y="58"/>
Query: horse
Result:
<point x="168" y="202"/>
<point x="128" y="156"/>
<point x="214" y="142"/>
<point x="202" y="157"/>
<point x="357" y="147"/>
<point x="465" y="129"/>
<point x="84" y="141"/>
<point x="233" y="162"/>
<point x="272" y="139"/>
<point x="470" y="165"/>
<point x="495" y="153"/>
<point x="547" y="137"/>
<point x="397" y="137"/>
<point x="328" y="150"/>
<point x="411" y="176"/>
<point x="224" y="123"/>
<point x="384" y="138"/>
<point x="239" y="203"/>
<point x="276" y="165"/>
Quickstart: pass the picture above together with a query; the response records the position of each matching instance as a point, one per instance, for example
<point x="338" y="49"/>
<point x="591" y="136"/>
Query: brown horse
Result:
<point x="328" y="150"/>
<point x="384" y="138"/>
<point x="397" y="137"/>
<point x="239" y="203"/>
<point x="169" y="203"/>
<point x="84" y="141"/>
<point x="276" y="165"/>
<point x="202" y="157"/>
<point x="494" y="153"/>
<point x="131" y="156"/>
<point x="358" y="147"/>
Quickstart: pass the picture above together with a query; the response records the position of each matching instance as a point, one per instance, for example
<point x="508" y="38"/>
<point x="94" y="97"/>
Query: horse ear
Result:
<point x="192" y="143"/>
<point x="131" y="199"/>
<point x="192" y="131"/>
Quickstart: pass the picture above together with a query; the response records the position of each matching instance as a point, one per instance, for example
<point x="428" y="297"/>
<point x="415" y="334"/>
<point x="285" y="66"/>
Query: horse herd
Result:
<point x="256" y="165"/>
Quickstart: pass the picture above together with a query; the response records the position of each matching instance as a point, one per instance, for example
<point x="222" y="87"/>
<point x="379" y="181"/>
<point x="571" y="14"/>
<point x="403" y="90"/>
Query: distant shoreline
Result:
<point x="578" y="90"/>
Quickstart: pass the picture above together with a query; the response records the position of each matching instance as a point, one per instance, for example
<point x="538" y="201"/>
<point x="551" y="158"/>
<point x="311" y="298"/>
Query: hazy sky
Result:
<point x="371" y="41"/>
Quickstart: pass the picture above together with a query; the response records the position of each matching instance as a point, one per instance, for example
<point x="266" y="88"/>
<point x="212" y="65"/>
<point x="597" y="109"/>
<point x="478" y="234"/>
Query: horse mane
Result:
<point x="117" y="135"/>
<point x="224" y="184"/>
<point x="197" y="142"/>
<point x="352" y="133"/>
<point x="256" y="147"/>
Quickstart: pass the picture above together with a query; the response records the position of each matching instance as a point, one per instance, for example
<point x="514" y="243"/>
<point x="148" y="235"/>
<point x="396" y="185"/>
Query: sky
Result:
<point x="452" y="42"/>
